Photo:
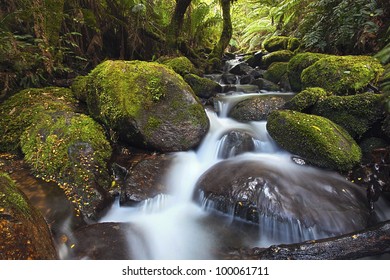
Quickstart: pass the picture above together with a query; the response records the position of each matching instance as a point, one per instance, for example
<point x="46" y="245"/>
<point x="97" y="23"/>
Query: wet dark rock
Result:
<point x="145" y="179"/>
<point x="264" y="84"/>
<point x="24" y="233"/>
<point x="257" y="73"/>
<point x="256" y="108"/>
<point x="234" y="143"/>
<point x="102" y="241"/>
<point x="241" y="69"/>
<point x="255" y="60"/>
<point x="246" y="79"/>
<point x="266" y="190"/>
<point x="228" y="78"/>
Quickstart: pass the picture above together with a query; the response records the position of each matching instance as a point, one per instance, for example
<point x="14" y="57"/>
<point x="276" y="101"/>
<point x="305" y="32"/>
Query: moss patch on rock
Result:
<point x="299" y="63"/>
<point x="317" y="139"/>
<point x="278" y="43"/>
<point x="278" y="56"/>
<point x="79" y="88"/>
<point x="343" y="75"/>
<point x="202" y="87"/>
<point x="24" y="233"/>
<point x="181" y="65"/>
<point x="70" y="149"/>
<point x="356" y="113"/>
<point x="306" y="99"/>
<point x="17" y="112"/>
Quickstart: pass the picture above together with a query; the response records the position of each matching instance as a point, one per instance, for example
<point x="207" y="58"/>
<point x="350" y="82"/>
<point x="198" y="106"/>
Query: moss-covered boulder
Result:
<point x="343" y="75"/>
<point x="24" y="234"/>
<point x="147" y="104"/>
<point x="299" y="63"/>
<point x="276" y="71"/>
<point x="306" y="99"/>
<point x="79" y="88"/>
<point x="17" y="112"/>
<point x="318" y="140"/>
<point x="256" y="108"/>
<point x="181" y="65"/>
<point x="278" y="43"/>
<point x="278" y="56"/>
<point x="202" y="87"/>
<point x="71" y="149"/>
<point x="355" y="113"/>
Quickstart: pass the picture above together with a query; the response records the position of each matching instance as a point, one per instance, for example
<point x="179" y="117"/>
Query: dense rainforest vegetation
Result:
<point x="48" y="42"/>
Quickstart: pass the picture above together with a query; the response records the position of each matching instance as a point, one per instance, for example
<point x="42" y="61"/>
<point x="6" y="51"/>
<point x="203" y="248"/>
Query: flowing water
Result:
<point x="177" y="226"/>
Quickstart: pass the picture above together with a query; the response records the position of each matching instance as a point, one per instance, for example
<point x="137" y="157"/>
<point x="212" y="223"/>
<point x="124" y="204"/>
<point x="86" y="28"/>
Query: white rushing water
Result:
<point x="173" y="226"/>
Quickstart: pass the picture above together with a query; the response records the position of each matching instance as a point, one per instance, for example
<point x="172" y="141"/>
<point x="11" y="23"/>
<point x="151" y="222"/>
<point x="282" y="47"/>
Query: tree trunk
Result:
<point x="366" y="243"/>
<point x="227" y="30"/>
<point x="176" y="24"/>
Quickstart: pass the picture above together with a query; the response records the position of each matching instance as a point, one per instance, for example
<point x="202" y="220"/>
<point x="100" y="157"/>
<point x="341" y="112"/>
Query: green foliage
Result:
<point x="341" y="26"/>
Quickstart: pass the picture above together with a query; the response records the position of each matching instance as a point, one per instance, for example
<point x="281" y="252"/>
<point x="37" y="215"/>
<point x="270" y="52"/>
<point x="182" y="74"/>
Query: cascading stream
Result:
<point x="174" y="226"/>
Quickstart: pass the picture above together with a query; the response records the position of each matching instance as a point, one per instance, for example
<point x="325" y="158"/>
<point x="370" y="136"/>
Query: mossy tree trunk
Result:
<point x="227" y="30"/>
<point x="176" y="24"/>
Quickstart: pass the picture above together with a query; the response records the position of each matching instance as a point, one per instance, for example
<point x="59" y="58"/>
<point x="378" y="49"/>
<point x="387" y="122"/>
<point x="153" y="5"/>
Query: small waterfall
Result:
<point x="175" y="226"/>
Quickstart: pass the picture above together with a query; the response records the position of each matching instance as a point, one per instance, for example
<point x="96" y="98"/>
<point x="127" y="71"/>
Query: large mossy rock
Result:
<point x="202" y="87"/>
<point x="299" y="63"/>
<point x="316" y="139"/>
<point x="147" y="104"/>
<point x="276" y="71"/>
<point x="256" y="108"/>
<point x="17" y="112"/>
<point x="181" y="65"/>
<point x="306" y="99"/>
<point x="278" y="43"/>
<point x="278" y="56"/>
<point x="355" y="113"/>
<point x="24" y="234"/>
<point x="71" y="149"/>
<point x="343" y="75"/>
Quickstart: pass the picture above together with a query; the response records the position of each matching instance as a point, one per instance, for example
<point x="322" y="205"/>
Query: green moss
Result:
<point x="276" y="71"/>
<point x="306" y="99"/>
<point x="297" y="64"/>
<point x="342" y="75"/>
<point x="181" y="65"/>
<point x="152" y="125"/>
<point x="79" y="88"/>
<point x="17" y="112"/>
<point x="52" y="146"/>
<point x="12" y="198"/>
<point x="277" y="43"/>
<point x="317" y="139"/>
<point x="278" y="56"/>
<point x="355" y="113"/>
<point x="121" y="89"/>
<point x="202" y="87"/>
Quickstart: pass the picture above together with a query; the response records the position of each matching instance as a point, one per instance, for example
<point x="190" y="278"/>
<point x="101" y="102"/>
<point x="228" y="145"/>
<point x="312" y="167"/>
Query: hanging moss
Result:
<point x="343" y="75"/>
<point x="317" y="139"/>
<point x="299" y="63"/>
<point x="17" y="112"/>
